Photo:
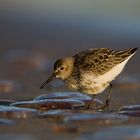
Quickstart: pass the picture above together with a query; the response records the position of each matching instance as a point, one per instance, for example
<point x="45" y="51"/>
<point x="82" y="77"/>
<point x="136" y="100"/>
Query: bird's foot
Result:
<point x="105" y="106"/>
<point x="90" y="105"/>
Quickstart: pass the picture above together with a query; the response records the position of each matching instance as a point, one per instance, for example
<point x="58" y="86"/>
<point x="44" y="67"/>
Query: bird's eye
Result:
<point x="62" y="68"/>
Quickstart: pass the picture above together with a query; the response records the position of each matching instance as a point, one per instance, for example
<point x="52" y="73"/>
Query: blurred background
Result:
<point x="33" y="34"/>
<point x="62" y="26"/>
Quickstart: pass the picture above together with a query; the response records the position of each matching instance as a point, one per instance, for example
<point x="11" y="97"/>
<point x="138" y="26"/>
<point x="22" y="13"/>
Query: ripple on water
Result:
<point x="57" y="115"/>
<point x="70" y="95"/>
<point x="6" y="121"/>
<point x="80" y="116"/>
<point x="6" y="102"/>
<point x="97" y="117"/>
<point x="15" y="112"/>
<point x="128" y="132"/>
<point x="49" y="104"/>
<point x="63" y="95"/>
<point x="131" y="110"/>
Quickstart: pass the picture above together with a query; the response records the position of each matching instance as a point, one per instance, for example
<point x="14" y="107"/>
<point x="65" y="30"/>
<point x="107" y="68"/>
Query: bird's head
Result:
<point x="62" y="69"/>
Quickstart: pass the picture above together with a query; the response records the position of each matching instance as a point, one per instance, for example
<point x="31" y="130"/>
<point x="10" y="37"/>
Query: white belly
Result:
<point x="98" y="84"/>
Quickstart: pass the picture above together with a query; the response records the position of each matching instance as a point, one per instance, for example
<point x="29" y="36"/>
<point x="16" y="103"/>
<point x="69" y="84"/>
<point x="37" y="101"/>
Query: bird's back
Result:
<point x="101" y="60"/>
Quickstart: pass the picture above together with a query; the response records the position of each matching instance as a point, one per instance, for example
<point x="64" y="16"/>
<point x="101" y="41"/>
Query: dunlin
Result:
<point x="92" y="71"/>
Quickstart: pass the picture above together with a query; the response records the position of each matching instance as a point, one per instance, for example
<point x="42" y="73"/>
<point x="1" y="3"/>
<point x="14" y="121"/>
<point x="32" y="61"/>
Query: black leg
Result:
<point x="109" y="95"/>
<point x="89" y="106"/>
<point x="93" y="97"/>
<point x="106" y="105"/>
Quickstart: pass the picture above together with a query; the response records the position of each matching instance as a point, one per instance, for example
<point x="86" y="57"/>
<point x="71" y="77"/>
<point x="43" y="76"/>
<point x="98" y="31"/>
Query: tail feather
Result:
<point x="127" y="52"/>
<point x="132" y="50"/>
<point x="122" y="55"/>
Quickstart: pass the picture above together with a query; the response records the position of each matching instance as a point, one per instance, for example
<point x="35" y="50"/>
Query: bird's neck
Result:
<point x="70" y="64"/>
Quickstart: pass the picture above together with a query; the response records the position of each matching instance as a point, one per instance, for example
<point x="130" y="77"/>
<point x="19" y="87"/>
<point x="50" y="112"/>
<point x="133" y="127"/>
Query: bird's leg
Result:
<point x="109" y="95"/>
<point x="89" y="106"/>
<point x="106" y="105"/>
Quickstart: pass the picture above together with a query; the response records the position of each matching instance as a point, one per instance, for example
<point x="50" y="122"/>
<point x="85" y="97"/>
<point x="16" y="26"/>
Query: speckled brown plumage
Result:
<point x="100" y="60"/>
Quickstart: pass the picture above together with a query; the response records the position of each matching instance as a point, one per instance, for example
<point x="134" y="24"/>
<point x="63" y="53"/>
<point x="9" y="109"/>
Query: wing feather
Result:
<point x="101" y="60"/>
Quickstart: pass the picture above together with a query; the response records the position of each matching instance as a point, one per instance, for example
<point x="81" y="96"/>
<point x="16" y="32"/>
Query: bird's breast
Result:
<point x="87" y="83"/>
<point x="72" y="83"/>
<point x="91" y="85"/>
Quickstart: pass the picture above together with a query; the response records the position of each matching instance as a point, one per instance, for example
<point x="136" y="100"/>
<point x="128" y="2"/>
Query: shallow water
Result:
<point x="30" y="42"/>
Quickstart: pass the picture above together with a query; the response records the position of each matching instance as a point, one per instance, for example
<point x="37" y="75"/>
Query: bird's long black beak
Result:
<point x="49" y="80"/>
